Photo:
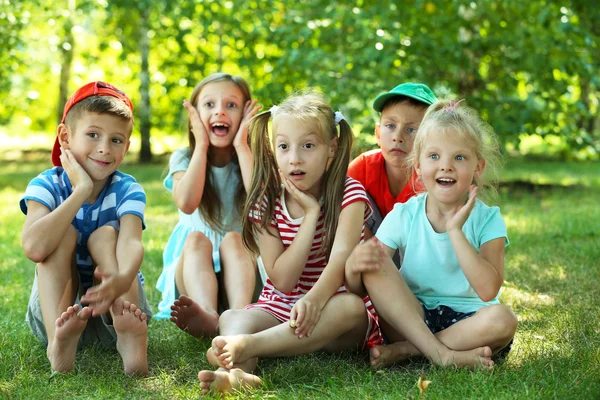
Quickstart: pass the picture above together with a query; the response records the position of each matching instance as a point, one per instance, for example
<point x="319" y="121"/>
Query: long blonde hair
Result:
<point x="449" y="118"/>
<point x="210" y="207"/>
<point x="264" y="189"/>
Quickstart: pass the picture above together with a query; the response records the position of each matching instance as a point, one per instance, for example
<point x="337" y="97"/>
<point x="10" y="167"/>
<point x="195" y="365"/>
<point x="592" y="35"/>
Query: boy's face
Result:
<point x="98" y="142"/>
<point x="396" y="131"/>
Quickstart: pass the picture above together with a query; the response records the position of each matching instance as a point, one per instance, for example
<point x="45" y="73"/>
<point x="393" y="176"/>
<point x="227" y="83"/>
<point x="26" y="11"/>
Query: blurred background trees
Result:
<point x="531" y="68"/>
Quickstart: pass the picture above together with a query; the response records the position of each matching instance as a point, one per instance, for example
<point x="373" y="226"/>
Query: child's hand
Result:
<point x="198" y="128"/>
<point x="80" y="179"/>
<point x="305" y="200"/>
<point x="304" y="316"/>
<point x="100" y="297"/>
<point x="367" y="256"/>
<point x="250" y="109"/>
<point x="462" y="212"/>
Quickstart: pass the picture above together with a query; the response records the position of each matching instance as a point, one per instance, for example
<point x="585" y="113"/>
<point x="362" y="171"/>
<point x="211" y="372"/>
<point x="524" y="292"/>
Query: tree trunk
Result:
<point x="66" y="50"/>
<point x="145" y="113"/>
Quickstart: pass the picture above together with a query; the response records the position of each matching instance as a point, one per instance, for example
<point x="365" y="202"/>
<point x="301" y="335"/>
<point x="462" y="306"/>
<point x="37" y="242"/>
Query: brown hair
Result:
<point x="464" y="122"/>
<point x="264" y="189"/>
<point x="392" y="101"/>
<point x="100" y="105"/>
<point x="210" y="204"/>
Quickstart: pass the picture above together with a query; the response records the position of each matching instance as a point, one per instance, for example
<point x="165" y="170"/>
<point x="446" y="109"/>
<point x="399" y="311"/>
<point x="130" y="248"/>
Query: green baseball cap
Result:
<point x="417" y="91"/>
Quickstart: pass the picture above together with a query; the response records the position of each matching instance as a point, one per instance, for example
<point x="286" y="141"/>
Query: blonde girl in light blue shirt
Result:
<point x="443" y="304"/>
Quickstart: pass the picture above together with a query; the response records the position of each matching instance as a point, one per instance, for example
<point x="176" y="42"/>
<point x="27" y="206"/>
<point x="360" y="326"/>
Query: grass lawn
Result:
<point x="552" y="283"/>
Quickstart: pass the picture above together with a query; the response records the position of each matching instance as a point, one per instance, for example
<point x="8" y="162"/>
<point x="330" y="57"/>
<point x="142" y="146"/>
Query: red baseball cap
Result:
<point x="97" y="88"/>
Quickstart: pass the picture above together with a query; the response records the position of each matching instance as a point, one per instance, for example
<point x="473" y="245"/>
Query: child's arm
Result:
<point x="365" y="257"/>
<point x="484" y="270"/>
<point x="240" y="142"/>
<point x="44" y="229"/>
<point x="284" y="268"/>
<point x="117" y="279"/>
<point x="306" y="311"/>
<point x="188" y="186"/>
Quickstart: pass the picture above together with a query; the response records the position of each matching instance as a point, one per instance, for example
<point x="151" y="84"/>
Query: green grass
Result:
<point x="552" y="283"/>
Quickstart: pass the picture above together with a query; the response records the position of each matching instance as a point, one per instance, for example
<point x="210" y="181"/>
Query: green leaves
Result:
<point x="529" y="67"/>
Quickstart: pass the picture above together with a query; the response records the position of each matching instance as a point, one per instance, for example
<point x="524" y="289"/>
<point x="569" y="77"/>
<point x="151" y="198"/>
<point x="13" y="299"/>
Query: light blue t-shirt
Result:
<point x="430" y="267"/>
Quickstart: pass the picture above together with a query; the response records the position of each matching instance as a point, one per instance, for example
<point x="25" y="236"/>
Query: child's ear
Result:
<point x="479" y="168"/>
<point x="62" y="132"/>
<point x="377" y="133"/>
<point x="418" y="169"/>
<point x="333" y="146"/>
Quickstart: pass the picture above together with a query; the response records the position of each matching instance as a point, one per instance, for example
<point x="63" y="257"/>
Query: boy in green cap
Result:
<point x="383" y="172"/>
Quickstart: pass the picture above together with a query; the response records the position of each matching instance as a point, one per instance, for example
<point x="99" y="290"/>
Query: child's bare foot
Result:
<point x="231" y="349"/>
<point x="132" y="336"/>
<point x="385" y="356"/>
<point x="212" y="358"/>
<point x="479" y="358"/>
<point x="190" y="317"/>
<point x="223" y="380"/>
<point x="62" y="350"/>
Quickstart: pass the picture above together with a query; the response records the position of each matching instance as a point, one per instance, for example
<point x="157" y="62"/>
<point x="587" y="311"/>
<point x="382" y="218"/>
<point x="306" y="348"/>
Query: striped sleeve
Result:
<point x="43" y="190"/>
<point x="353" y="192"/>
<point x="133" y="201"/>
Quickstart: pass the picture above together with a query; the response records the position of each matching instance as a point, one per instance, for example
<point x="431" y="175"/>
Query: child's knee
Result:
<point x="64" y="251"/>
<point x="104" y="234"/>
<point x="228" y="315"/>
<point x="197" y="242"/>
<point x="230" y="240"/>
<point x="350" y="307"/>
<point x="502" y="320"/>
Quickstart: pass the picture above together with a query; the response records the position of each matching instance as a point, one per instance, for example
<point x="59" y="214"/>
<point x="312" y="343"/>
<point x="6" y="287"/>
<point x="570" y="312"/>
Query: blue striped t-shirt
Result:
<point x="122" y="195"/>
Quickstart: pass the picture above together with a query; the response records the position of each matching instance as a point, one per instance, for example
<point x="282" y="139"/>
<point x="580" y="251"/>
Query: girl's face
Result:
<point x="301" y="152"/>
<point x="447" y="166"/>
<point x="221" y="107"/>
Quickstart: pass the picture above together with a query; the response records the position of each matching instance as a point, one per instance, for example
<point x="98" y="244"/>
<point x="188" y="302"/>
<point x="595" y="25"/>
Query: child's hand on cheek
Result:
<point x="462" y="212"/>
<point x="250" y="110"/>
<point x="308" y="203"/>
<point x="198" y="129"/>
<point x="80" y="180"/>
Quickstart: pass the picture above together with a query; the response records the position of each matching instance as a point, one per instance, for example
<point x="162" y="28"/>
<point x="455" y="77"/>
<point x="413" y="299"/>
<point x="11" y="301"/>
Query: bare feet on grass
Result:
<point x="132" y="336"/>
<point x="227" y="381"/>
<point x="62" y="350"/>
<point x="212" y="358"/>
<point x="190" y="317"/>
<point x="385" y="356"/>
<point x="479" y="358"/>
<point x="231" y="350"/>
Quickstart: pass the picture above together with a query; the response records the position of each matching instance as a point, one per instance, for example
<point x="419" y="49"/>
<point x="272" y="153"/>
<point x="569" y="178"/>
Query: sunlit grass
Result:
<point x="551" y="273"/>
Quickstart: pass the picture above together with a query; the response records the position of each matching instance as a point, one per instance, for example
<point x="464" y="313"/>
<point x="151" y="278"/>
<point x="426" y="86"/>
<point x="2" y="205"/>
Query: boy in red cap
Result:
<point x="383" y="172"/>
<point x="84" y="231"/>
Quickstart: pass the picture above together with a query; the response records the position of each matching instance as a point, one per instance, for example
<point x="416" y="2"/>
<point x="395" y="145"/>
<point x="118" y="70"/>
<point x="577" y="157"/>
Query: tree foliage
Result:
<point x="531" y="68"/>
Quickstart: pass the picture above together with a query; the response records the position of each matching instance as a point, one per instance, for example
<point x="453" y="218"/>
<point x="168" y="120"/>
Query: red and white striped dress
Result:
<point x="280" y="304"/>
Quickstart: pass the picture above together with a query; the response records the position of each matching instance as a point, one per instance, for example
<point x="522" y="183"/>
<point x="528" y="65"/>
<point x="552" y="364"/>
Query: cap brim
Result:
<point x="381" y="99"/>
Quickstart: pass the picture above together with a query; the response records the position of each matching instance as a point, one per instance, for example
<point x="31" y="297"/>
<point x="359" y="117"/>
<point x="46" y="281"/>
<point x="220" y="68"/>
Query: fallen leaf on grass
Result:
<point x="422" y="384"/>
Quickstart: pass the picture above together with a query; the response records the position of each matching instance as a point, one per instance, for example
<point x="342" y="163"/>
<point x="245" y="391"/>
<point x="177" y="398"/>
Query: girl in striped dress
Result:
<point x="305" y="217"/>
